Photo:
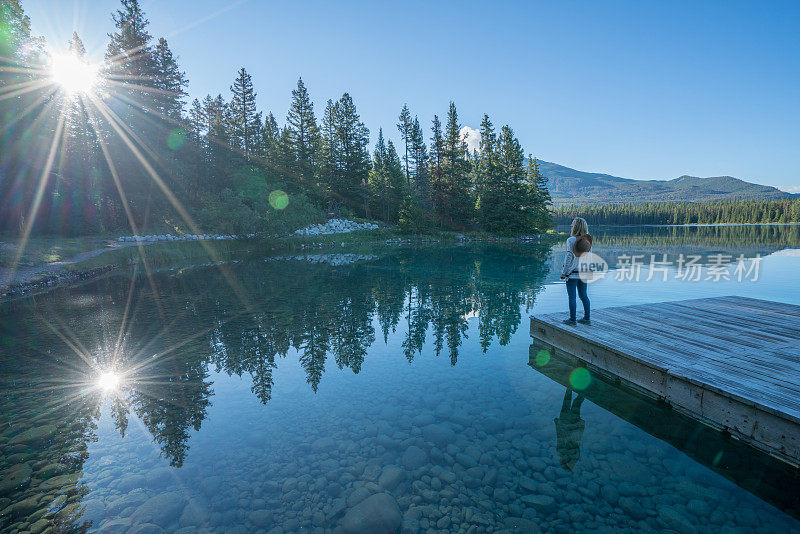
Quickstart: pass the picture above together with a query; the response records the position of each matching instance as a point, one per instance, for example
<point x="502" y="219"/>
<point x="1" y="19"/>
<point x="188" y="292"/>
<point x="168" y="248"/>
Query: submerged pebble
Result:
<point x="378" y="514"/>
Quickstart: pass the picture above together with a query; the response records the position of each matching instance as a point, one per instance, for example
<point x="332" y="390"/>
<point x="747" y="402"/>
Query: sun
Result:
<point x="108" y="381"/>
<point x="73" y="74"/>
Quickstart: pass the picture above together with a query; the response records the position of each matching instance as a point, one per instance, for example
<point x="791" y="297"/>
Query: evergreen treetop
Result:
<point x="129" y="51"/>
<point x="244" y="123"/>
<point x="75" y="45"/>
<point x="404" y="127"/>
<point x="303" y="133"/>
<point x="171" y="82"/>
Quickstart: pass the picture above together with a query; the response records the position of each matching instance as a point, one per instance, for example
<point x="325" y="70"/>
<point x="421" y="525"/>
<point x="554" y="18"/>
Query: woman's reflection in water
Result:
<point x="569" y="430"/>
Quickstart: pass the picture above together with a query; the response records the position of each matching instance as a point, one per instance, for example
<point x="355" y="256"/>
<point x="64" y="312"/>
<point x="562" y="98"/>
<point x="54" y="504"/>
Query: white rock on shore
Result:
<point x="333" y="226"/>
<point x="170" y="237"/>
<point x="336" y="226"/>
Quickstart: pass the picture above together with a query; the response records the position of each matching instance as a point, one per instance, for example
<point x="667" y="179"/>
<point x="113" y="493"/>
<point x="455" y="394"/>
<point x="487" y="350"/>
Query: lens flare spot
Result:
<point x="108" y="381"/>
<point x="717" y="459"/>
<point x="542" y="358"/>
<point x="278" y="199"/>
<point x="176" y="138"/>
<point x="580" y="378"/>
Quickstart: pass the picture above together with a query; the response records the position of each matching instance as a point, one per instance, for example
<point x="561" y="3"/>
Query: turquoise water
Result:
<point x="373" y="391"/>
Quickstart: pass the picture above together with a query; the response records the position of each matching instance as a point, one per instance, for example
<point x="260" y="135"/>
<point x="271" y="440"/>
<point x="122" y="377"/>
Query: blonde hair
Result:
<point x="579" y="226"/>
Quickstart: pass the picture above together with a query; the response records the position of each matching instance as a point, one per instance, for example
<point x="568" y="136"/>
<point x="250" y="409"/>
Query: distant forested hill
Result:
<point x="569" y="186"/>
<point x="729" y="211"/>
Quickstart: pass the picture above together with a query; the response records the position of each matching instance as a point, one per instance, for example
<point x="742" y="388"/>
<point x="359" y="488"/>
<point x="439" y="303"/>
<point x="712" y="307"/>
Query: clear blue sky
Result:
<point x="636" y="89"/>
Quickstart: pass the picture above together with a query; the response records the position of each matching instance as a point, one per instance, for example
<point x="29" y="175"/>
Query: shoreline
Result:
<point x="46" y="282"/>
<point x="31" y="279"/>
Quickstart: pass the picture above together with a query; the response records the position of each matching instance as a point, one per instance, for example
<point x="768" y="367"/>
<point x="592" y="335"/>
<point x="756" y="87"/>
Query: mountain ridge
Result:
<point x="571" y="186"/>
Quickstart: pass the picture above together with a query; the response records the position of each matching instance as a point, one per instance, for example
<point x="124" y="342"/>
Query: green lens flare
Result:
<point x="176" y="138"/>
<point x="542" y="358"/>
<point x="278" y="199"/>
<point x="580" y="378"/>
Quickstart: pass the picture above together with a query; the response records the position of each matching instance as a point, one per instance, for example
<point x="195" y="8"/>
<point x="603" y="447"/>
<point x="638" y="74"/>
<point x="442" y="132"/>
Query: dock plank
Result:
<point x="725" y="348"/>
<point x="731" y="361"/>
<point x="722" y="362"/>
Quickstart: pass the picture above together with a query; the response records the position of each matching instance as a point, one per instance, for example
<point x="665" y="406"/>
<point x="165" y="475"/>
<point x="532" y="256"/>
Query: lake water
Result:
<point x="373" y="390"/>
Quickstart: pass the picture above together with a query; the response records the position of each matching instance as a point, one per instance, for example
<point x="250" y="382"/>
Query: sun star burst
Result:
<point x="108" y="381"/>
<point x="73" y="74"/>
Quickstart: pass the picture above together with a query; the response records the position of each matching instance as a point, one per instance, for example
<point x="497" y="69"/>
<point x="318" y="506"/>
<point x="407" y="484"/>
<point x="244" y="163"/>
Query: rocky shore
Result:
<point x="332" y="226"/>
<point x="52" y="280"/>
<point x="336" y="226"/>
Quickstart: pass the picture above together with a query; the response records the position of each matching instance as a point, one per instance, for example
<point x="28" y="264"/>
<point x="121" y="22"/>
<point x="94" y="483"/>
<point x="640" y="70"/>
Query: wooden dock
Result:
<point x="731" y="362"/>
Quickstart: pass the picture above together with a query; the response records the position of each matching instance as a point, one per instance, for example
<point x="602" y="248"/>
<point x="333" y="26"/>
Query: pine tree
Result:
<point x="419" y="158"/>
<point x="515" y="194"/>
<point x="259" y="149"/>
<point x="170" y="81"/>
<point x="387" y="179"/>
<point x="243" y="121"/>
<point x="196" y="130"/>
<point x="455" y="202"/>
<point x="485" y="161"/>
<point x="404" y="126"/>
<point x="489" y="178"/>
<point x="398" y="188"/>
<point x="304" y="137"/>
<point x="353" y="138"/>
<point x="217" y="154"/>
<point x="541" y="201"/>
<point x="437" y="192"/>
<point x="437" y="150"/>
<point x="216" y="111"/>
<point x="196" y="121"/>
<point x="129" y="54"/>
<point x="507" y="201"/>
<point x="131" y="75"/>
<point x="270" y="133"/>
<point x="378" y="177"/>
<point x="539" y="183"/>
<point x="285" y="158"/>
<point x="75" y="46"/>
<point x="330" y="164"/>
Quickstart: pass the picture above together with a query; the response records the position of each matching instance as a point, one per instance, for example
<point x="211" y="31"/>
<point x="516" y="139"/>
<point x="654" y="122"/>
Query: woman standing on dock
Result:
<point x="579" y="243"/>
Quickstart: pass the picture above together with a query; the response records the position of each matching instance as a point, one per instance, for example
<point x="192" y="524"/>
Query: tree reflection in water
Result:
<point x="59" y="340"/>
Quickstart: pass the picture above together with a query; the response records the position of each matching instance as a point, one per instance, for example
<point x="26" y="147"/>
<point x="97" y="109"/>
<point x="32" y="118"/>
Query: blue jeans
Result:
<point x="580" y="286"/>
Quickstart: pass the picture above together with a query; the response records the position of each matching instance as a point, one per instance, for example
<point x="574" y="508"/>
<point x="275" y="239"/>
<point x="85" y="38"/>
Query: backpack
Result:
<point x="582" y="245"/>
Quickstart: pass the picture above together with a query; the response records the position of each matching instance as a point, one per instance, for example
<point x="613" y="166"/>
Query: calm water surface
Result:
<point x="384" y="390"/>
